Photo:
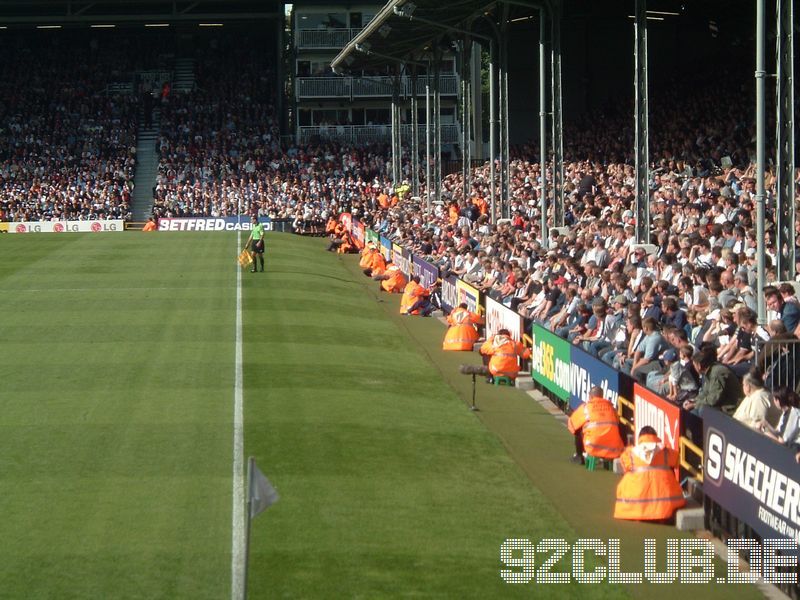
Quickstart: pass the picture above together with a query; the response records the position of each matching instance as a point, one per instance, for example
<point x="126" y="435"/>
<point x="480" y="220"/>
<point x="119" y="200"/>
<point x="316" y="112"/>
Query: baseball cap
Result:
<point x="621" y="299"/>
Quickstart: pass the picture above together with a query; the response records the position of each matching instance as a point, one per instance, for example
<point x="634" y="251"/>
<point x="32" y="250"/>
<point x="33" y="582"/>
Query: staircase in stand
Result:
<point x="183" y="79"/>
<point x="146" y="167"/>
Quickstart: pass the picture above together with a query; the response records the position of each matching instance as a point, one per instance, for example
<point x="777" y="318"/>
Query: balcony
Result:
<point x="367" y="134"/>
<point x="324" y="39"/>
<point x="365" y="87"/>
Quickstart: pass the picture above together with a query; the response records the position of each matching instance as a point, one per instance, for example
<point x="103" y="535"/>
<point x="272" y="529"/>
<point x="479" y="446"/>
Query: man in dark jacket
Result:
<point x="719" y="386"/>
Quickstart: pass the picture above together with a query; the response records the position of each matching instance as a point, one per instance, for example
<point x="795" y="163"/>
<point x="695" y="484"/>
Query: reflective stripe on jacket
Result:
<point x="648" y="491"/>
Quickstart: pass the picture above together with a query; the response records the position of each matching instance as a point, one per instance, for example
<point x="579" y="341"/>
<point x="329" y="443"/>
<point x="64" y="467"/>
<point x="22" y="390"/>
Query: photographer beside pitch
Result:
<point x="256" y="244"/>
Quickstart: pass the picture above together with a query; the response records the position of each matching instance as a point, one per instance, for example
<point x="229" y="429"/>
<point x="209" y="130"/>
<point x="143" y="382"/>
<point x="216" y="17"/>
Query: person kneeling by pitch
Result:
<point x="595" y="424"/>
<point x="649" y="490"/>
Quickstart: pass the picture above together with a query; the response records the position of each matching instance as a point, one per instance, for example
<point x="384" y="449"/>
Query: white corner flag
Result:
<point x="260" y="496"/>
<point x="261" y="493"/>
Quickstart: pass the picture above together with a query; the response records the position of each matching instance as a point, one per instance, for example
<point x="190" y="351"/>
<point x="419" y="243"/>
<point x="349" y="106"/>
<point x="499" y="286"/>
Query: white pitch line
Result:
<point x="238" y="524"/>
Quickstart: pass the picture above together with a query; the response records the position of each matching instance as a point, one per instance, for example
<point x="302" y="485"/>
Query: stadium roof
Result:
<point x="390" y="37"/>
<point x="67" y="12"/>
<point x="393" y="37"/>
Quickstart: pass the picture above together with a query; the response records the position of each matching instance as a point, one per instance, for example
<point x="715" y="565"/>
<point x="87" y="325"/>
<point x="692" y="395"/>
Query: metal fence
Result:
<point x="365" y="87"/>
<point x="780" y="361"/>
<point x="325" y="38"/>
<point x="366" y="134"/>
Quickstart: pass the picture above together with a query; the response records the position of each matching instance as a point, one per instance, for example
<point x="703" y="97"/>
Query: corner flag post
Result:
<point x="260" y="496"/>
<point x="250" y="462"/>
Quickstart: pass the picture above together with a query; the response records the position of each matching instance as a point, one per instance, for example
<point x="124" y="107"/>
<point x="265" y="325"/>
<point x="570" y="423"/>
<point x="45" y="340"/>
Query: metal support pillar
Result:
<point x="543" y="124"/>
<point x="761" y="117"/>
<point x="785" y="162"/>
<point x="642" y="131"/>
<point x="558" y="125"/>
<point x="505" y="168"/>
<point x="464" y="117"/>
<point x="492" y="133"/>
<point x="477" y="102"/>
<point x="428" y="141"/>
<point x="437" y="127"/>
<point x="414" y="135"/>
<point x="397" y="148"/>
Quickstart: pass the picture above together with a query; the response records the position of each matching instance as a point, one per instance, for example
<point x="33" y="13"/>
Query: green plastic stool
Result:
<point x="503" y="381"/>
<point x="592" y="462"/>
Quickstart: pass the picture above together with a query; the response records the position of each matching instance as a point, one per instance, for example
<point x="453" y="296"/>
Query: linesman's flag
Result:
<point x="261" y="493"/>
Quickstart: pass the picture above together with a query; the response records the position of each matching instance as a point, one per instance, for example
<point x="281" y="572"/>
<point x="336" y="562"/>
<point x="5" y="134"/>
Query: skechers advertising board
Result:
<point x="752" y="477"/>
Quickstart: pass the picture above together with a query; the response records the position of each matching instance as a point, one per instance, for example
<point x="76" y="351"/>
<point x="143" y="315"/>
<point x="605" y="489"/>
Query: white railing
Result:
<point x="325" y="38"/>
<point x="366" y="134"/>
<point x="365" y="87"/>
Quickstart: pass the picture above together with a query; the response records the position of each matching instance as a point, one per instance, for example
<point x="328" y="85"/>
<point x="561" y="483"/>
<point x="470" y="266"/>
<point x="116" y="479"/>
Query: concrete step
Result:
<point x="690" y="519"/>
<point x="524" y="382"/>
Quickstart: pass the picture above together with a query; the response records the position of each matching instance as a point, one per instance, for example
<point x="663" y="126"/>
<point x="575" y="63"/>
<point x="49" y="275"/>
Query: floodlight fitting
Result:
<point x="385" y="30"/>
<point x="406" y="10"/>
<point x="363" y="47"/>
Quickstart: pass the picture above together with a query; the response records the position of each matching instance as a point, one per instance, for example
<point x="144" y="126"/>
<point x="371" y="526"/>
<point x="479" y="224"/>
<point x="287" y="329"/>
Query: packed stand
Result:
<point x="67" y="148"/>
<point x="681" y="319"/>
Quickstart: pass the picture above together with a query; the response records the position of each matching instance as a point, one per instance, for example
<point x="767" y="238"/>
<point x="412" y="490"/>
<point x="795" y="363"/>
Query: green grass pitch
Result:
<point x="116" y="435"/>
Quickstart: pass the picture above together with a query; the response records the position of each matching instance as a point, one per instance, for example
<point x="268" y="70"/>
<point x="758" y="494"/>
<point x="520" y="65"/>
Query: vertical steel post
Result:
<point x="760" y="74"/>
<point x="785" y="161"/>
<point x="543" y="124"/>
<point x="642" y="131"/>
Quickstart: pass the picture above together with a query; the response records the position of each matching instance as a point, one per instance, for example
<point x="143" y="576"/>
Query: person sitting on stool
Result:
<point x="596" y="427"/>
<point x="501" y="352"/>
<point x="649" y="489"/>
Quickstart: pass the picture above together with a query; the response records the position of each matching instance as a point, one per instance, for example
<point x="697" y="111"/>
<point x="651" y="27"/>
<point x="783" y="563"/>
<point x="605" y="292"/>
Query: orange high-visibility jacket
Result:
<point x="504" y="352"/>
<point x="149" y="226"/>
<point x="396" y="282"/>
<point x="366" y="256"/>
<point x="346" y="245"/>
<point x="461" y="335"/>
<point x="600" y="424"/>
<point x="377" y="263"/>
<point x="408" y="298"/>
<point x="331" y="225"/>
<point x="648" y="491"/>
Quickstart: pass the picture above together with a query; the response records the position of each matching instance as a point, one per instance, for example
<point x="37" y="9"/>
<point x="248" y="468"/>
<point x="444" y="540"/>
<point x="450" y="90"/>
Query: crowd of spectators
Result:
<point x="67" y="146"/>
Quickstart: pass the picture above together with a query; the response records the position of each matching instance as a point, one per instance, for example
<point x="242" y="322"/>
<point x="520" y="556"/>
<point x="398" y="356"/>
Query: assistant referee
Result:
<point x="256" y="244"/>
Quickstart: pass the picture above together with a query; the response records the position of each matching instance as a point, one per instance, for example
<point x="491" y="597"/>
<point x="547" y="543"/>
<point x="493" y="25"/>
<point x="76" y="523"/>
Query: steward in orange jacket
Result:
<point x="393" y="280"/>
<point x="502" y="352"/>
<point x="366" y="255"/>
<point x="462" y="334"/>
<point x="150" y="225"/>
<point x="347" y="246"/>
<point x="649" y="490"/>
<point x="411" y="294"/>
<point x="332" y="225"/>
<point x="596" y="427"/>
<point x="376" y="266"/>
